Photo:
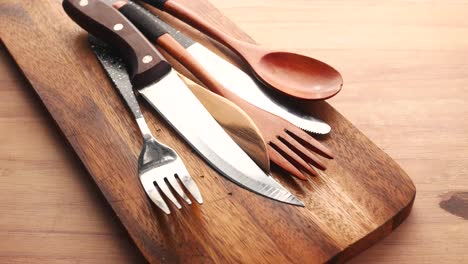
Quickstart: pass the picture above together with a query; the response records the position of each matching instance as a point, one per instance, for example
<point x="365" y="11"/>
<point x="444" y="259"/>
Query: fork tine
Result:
<point x="279" y="160"/>
<point x="165" y="189"/>
<point x="306" y="152"/>
<point x="191" y="186"/>
<point x="176" y="186"/>
<point x="155" y="196"/>
<point x="320" y="148"/>
<point x="294" y="156"/>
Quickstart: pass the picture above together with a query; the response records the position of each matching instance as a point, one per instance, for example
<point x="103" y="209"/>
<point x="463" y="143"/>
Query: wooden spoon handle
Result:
<point x="195" y="21"/>
<point x="145" y="63"/>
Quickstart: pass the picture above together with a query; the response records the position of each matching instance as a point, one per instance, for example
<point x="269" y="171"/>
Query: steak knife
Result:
<point x="158" y="83"/>
<point x="238" y="81"/>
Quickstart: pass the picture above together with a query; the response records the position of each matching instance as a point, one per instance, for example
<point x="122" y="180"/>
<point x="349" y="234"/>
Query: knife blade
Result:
<point x="235" y="122"/>
<point x="239" y="82"/>
<point x="159" y="84"/>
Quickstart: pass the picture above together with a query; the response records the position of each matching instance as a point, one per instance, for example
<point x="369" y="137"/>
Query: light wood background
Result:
<point x="405" y="65"/>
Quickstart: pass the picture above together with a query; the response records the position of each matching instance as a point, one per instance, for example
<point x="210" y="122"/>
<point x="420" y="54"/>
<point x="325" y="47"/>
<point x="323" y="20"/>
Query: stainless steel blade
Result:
<point x="243" y="85"/>
<point x="176" y="103"/>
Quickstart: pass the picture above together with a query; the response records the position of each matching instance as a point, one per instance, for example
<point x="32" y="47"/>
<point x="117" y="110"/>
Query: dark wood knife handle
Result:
<point x="156" y="3"/>
<point x="191" y="18"/>
<point x="145" y="63"/>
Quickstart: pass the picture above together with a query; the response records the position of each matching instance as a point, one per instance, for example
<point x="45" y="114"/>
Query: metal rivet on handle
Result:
<point x="147" y="59"/>
<point x="84" y="2"/>
<point x="118" y="27"/>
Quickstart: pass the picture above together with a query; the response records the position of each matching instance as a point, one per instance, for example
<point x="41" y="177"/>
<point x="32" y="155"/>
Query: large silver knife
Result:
<point x="239" y="82"/>
<point x="168" y="94"/>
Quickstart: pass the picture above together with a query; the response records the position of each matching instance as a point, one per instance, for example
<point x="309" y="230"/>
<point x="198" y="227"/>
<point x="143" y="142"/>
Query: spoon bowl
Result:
<point x="298" y="75"/>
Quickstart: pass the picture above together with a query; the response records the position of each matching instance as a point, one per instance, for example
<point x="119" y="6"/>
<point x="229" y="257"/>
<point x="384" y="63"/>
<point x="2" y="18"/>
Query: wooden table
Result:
<point x="405" y="65"/>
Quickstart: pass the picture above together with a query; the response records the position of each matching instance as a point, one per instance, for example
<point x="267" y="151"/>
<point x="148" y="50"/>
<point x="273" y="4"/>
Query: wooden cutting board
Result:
<point x="360" y="199"/>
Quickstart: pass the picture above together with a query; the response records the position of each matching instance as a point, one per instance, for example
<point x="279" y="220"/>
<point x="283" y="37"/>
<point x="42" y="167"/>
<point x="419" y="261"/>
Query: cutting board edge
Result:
<point x="376" y="235"/>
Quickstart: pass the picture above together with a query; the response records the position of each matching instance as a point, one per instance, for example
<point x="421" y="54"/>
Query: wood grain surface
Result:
<point x="407" y="94"/>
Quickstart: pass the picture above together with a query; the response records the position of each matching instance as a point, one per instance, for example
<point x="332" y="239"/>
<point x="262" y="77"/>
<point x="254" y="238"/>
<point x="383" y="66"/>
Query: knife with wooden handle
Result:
<point x="159" y="84"/>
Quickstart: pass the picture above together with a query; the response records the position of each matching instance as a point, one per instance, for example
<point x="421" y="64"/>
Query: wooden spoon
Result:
<point x="235" y="122"/>
<point x="293" y="74"/>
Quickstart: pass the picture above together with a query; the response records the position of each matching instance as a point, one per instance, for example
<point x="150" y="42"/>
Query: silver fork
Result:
<point x="157" y="162"/>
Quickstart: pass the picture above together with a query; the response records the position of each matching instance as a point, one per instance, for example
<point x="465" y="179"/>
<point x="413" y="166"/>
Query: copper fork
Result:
<point x="288" y="146"/>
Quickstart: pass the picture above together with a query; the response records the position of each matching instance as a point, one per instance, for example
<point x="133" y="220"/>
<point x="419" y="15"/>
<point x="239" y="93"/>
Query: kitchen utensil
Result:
<point x="158" y="83"/>
<point x="238" y="81"/>
<point x="284" y="148"/>
<point x="235" y="122"/>
<point x="157" y="162"/>
<point x="297" y="75"/>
